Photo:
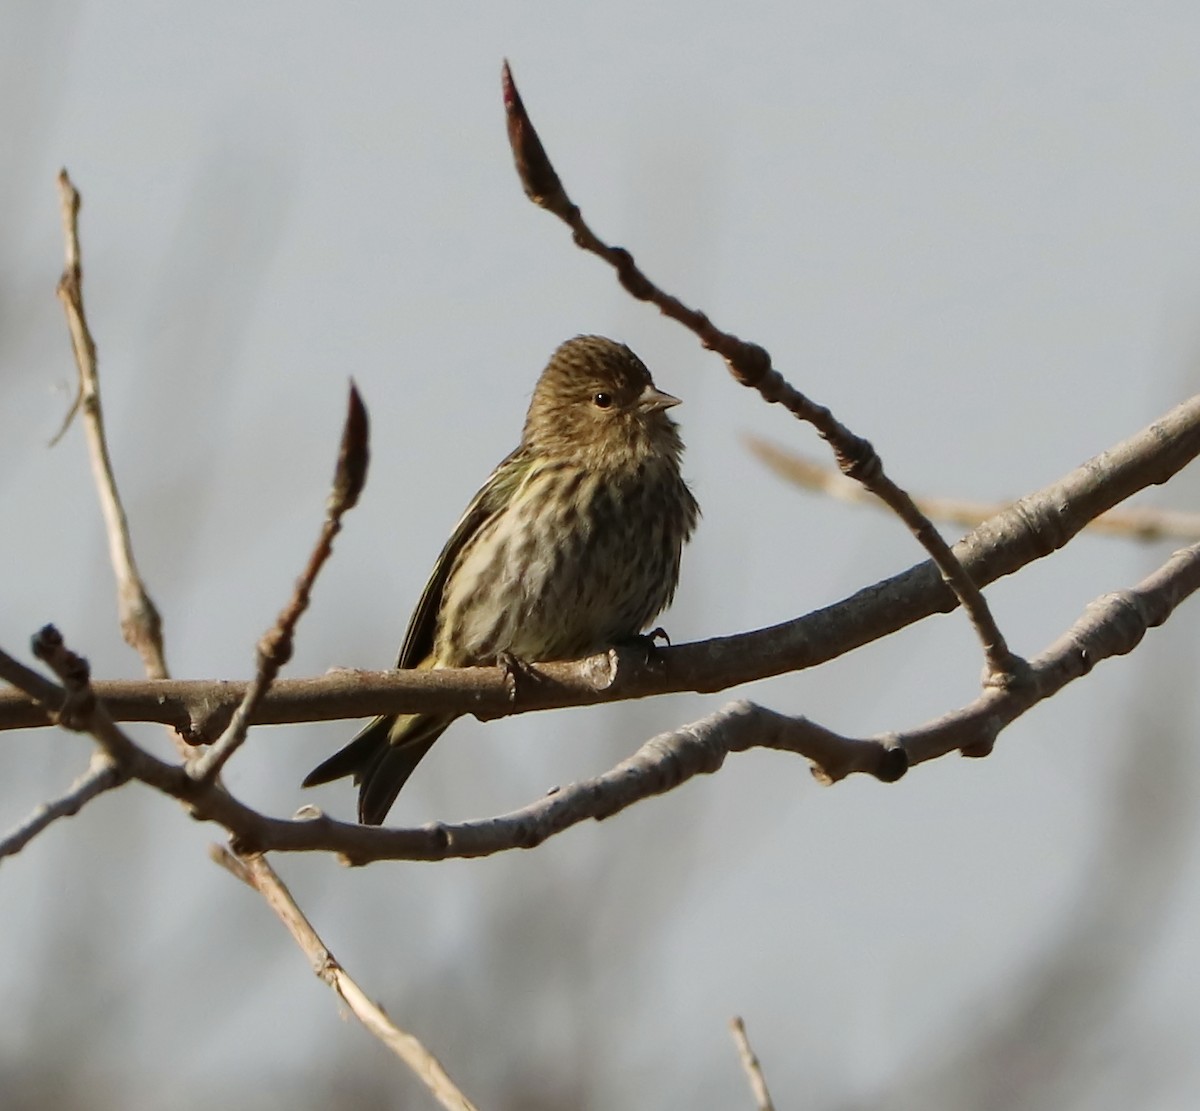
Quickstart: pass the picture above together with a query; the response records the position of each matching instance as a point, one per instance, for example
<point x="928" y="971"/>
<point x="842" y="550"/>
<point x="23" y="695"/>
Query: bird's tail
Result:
<point x="381" y="758"/>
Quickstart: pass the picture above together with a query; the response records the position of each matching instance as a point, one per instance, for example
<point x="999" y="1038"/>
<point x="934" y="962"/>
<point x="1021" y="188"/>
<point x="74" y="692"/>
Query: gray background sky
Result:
<point x="970" y="228"/>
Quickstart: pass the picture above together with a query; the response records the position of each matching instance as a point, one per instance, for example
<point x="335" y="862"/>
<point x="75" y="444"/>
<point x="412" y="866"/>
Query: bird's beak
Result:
<point x="655" y="401"/>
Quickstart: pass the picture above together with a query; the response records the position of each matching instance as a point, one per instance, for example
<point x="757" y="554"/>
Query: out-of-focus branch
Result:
<point x="254" y="871"/>
<point x="1034" y="527"/>
<point x="1145" y="523"/>
<point x="751" y="365"/>
<point x="751" y="1065"/>
<point x="141" y="624"/>
<point x="275" y="648"/>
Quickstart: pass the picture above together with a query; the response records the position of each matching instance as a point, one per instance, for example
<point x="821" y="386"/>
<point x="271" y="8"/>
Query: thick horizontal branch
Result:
<point x="1113" y="625"/>
<point x="1034" y="527"/>
<point x="661" y="764"/>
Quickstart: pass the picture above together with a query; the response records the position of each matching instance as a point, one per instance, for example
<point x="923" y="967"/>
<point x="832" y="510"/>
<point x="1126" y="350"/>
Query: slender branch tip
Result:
<point x="354" y="455"/>
<point x="534" y="169"/>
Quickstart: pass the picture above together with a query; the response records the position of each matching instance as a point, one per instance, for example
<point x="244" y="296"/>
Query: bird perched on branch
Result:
<point x="572" y="545"/>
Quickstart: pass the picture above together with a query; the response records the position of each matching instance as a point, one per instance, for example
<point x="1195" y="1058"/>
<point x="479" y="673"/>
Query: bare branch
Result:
<point x="750" y="1065"/>
<point x="73" y="672"/>
<point x="275" y="648"/>
<point x="141" y="624"/>
<point x="1145" y="523"/>
<point x="1112" y="625"/>
<point x="1034" y="527"/>
<point x="751" y="365"/>
<point x="140" y="621"/>
<point x="661" y="764"/>
<point x="205" y="799"/>
<point x="254" y="871"/>
<point x="40" y="692"/>
<point x="102" y="775"/>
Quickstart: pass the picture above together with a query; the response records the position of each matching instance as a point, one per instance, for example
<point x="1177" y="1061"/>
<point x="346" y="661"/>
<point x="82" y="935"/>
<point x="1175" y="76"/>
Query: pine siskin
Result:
<point x="571" y="545"/>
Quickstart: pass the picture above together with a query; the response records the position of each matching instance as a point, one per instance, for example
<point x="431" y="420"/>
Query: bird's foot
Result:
<point x="516" y="672"/>
<point x="645" y="645"/>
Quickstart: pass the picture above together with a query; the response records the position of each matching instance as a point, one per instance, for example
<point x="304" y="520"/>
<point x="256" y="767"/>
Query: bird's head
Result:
<point x="596" y="399"/>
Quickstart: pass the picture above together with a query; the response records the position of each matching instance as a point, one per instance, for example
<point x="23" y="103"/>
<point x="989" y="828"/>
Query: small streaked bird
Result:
<point x="571" y="546"/>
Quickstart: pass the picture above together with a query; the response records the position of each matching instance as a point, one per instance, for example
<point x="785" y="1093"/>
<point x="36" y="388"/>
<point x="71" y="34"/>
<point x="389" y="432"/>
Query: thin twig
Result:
<point x="275" y="648"/>
<point x="102" y="775"/>
<point x="140" y="621"/>
<point x="254" y="871"/>
<point x="750" y="364"/>
<point x="82" y="711"/>
<point x="1112" y="625"/>
<point x="1135" y="522"/>
<point x="750" y="1065"/>
<point x="141" y="624"/>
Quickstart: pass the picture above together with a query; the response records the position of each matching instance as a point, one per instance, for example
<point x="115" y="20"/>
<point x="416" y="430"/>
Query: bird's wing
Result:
<point x="492" y="497"/>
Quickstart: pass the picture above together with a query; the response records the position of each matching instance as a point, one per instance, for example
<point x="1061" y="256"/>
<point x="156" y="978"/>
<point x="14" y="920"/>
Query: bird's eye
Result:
<point x="603" y="400"/>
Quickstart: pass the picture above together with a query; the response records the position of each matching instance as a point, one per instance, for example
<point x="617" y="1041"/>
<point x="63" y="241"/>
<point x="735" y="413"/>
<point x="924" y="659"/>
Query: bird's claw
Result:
<point x="646" y="644"/>
<point x="516" y="670"/>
